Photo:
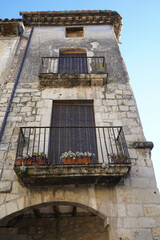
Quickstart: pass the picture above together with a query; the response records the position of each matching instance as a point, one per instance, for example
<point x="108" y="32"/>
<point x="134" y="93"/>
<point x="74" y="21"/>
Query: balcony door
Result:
<point x="73" y="62"/>
<point x="72" y="128"/>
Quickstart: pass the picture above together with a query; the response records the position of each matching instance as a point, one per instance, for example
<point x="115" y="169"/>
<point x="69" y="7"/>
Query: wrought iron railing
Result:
<point x="46" y="145"/>
<point x="73" y="65"/>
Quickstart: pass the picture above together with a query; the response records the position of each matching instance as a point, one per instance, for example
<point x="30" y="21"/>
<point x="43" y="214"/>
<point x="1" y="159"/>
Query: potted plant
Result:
<point x="77" y="157"/>
<point x="119" y="158"/>
<point x="35" y="158"/>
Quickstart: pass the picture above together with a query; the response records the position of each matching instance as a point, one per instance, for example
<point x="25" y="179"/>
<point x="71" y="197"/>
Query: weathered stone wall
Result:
<point x="133" y="207"/>
<point x="50" y="228"/>
<point x="7" y="50"/>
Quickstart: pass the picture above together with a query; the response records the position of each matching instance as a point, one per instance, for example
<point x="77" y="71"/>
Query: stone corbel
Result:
<point x="143" y="145"/>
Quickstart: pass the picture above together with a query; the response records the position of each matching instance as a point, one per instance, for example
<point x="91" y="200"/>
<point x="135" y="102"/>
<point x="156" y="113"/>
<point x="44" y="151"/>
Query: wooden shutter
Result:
<point x="73" y="128"/>
<point x="72" y="62"/>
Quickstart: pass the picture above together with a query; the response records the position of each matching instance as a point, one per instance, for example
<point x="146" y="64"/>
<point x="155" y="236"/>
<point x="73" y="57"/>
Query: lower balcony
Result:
<point x="71" y="155"/>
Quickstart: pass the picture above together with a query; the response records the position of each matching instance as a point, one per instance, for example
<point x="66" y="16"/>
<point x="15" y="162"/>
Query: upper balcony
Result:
<point x="69" y="155"/>
<point x="72" y="71"/>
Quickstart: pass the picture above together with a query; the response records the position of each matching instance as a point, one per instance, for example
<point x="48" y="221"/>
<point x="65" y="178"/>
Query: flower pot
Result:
<point x="28" y="162"/>
<point x="83" y="160"/>
<point x="19" y="162"/>
<point x="67" y="160"/>
<point x="86" y="160"/>
<point x="42" y="161"/>
<point x="118" y="159"/>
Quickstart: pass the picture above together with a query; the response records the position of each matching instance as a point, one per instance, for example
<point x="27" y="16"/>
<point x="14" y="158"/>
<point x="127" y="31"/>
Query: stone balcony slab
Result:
<point x="73" y="174"/>
<point x="72" y="80"/>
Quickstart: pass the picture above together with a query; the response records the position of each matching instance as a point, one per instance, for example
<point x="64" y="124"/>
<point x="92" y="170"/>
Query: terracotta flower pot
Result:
<point x="83" y="160"/>
<point x="118" y="159"/>
<point x="19" y="162"/>
<point x="42" y="161"/>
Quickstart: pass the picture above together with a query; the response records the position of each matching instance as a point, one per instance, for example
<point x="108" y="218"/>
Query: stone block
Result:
<point x="36" y="198"/>
<point x="123" y="195"/>
<point x="26" y="109"/>
<point x="117" y="223"/>
<point x="48" y="196"/>
<point x="152" y="210"/>
<point x="110" y="96"/>
<point x="145" y="196"/>
<point x="2" y="114"/>
<point x="11" y="197"/>
<point x="93" y="203"/>
<point x="11" y="207"/>
<point x="47" y="93"/>
<point x="138" y="182"/>
<point x="15" y="119"/>
<point x="31" y="124"/>
<point x="121" y="210"/>
<point x="130" y="222"/>
<point x="20" y="203"/>
<point x="3" y="212"/>
<point x="147" y="222"/>
<point x="132" y="115"/>
<point x="139" y="234"/>
<point x="16" y="100"/>
<point x="106" y="194"/>
<point x="8" y="175"/>
<point x="134" y="210"/>
<point x="129" y="102"/>
<point x="59" y="195"/>
<point x="45" y="120"/>
<point x="11" y="155"/>
<point x="118" y="92"/>
<point x="5" y="186"/>
<point x="124" y="108"/>
<point x="25" y="99"/>
<point x="132" y="153"/>
<point x="2" y="198"/>
<point x="111" y="102"/>
<point x="146" y="172"/>
<point x="4" y="100"/>
<point x="156" y="233"/>
<point x="124" y="234"/>
<point x="25" y="90"/>
<point x="104" y="209"/>
<point x="2" y="155"/>
<point x="83" y="199"/>
<point x="117" y="123"/>
<point x="71" y="196"/>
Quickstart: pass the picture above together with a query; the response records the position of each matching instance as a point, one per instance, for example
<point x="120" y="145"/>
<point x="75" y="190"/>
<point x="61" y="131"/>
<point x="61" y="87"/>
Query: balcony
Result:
<point x="40" y="157"/>
<point x="72" y="71"/>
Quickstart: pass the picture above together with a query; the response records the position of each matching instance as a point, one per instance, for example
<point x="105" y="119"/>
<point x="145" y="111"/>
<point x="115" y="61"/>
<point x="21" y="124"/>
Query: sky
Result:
<point x="140" y="49"/>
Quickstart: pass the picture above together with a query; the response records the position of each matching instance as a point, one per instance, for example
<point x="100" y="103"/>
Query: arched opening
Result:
<point x="54" y="221"/>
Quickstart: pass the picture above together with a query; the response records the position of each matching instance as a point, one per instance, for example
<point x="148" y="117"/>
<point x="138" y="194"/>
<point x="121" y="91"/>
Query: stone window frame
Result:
<point x="72" y="32"/>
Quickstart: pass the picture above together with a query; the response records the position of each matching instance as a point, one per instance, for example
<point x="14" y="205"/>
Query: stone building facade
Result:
<point x="64" y="86"/>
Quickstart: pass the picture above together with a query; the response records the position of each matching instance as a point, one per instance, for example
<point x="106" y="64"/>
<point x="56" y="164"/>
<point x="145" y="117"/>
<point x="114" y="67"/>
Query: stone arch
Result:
<point x="83" y="198"/>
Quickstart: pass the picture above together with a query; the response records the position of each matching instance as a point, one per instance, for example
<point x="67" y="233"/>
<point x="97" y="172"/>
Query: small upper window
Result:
<point x="74" y="32"/>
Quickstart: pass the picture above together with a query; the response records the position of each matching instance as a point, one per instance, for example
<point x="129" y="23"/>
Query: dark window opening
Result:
<point x="73" y="128"/>
<point x="74" y="32"/>
<point x="73" y="62"/>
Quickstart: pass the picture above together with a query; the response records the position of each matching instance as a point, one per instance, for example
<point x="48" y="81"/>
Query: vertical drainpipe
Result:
<point x="15" y="85"/>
